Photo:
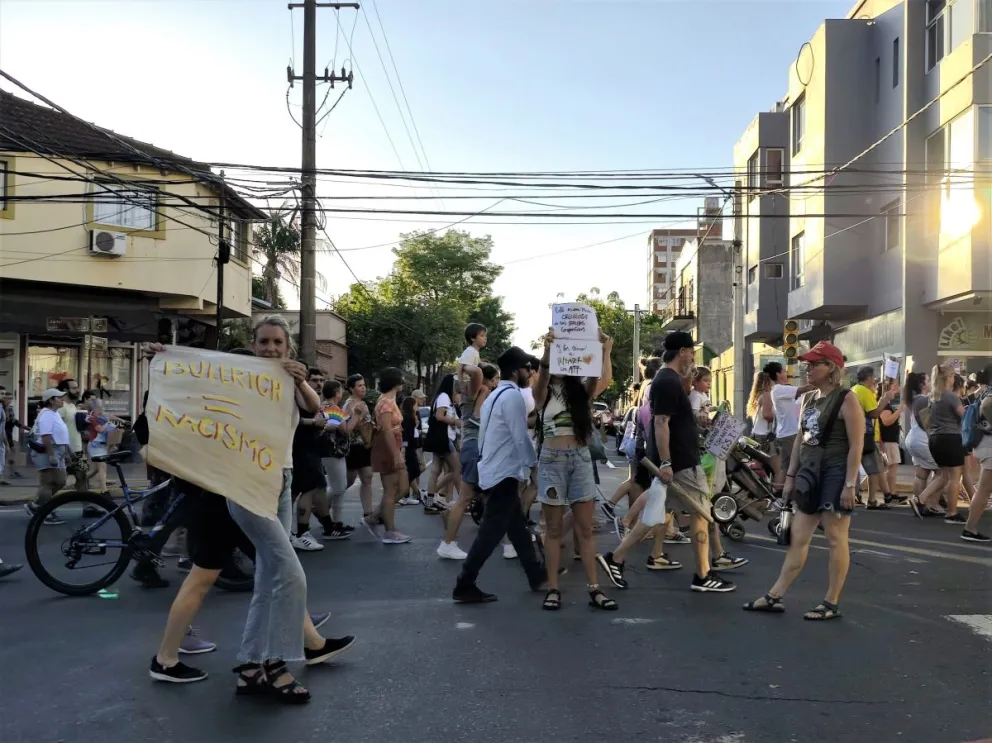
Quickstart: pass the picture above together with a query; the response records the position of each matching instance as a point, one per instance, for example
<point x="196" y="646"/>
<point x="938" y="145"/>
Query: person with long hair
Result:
<point x="309" y="487"/>
<point x="915" y="396"/>
<point x="565" y="469"/>
<point x="338" y="428"/>
<point x="945" y="438"/>
<point x="983" y="453"/>
<point x="761" y="411"/>
<point x="440" y="441"/>
<point x="387" y="454"/>
<point x="889" y="432"/>
<point x="821" y="481"/>
<point x="359" y="459"/>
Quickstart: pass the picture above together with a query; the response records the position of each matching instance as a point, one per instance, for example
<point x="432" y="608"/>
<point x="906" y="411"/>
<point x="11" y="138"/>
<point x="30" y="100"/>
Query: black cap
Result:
<point x="678" y="340"/>
<point x="515" y="358"/>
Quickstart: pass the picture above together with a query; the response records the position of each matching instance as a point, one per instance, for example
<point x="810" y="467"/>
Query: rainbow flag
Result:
<point x="335" y="413"/>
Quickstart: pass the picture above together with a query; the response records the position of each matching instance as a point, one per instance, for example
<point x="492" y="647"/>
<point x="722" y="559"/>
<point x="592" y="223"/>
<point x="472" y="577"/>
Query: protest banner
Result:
<point x="221" y="422"/>
<point x="571" y="358"/>
<point x="574" y="320"/>
<point x="724" y="433"/>
<point x="891" y="367"/>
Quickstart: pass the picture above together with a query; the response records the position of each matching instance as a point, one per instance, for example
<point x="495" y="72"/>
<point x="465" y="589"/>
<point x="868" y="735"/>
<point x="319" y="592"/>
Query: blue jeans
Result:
<point x="565" y="476"/>
<point x="274" y="628"/>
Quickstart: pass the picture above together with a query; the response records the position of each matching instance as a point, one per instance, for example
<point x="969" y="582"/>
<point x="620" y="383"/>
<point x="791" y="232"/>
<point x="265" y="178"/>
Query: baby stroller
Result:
<point x="749" y="492"/>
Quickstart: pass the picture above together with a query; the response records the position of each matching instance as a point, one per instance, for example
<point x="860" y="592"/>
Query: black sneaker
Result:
<point x="613" y="569"/>
<point x="177" y="674"/>
<point x="148" y="576"/>
<point x="184" y="565"/>
<point x="974" y="536"/>
<point x="9" y="568"/>
<point x="712" y="583"/>
<point x="608" y="509"/>
<point x="335" y="530"/>
<point x="333" y="647"/>
<point x="663" y="563"/>
<point x="471" y="594"/>
<point x="955" y="519"/>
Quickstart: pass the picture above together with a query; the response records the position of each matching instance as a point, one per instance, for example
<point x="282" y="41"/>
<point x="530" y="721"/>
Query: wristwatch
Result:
<point x="850" y="485"/>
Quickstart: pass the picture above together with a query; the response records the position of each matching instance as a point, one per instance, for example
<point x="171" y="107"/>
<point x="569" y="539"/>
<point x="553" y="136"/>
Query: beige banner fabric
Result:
<point x="223" y="422"/>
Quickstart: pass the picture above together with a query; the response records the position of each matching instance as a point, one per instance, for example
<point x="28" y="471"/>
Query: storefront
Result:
<point x="869" y="342"/>
<point x="965" y="341"/>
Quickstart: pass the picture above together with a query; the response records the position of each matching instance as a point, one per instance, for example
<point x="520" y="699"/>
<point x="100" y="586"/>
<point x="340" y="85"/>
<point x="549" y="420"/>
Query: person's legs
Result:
<point x="552" y="539"/>
<point x="785" y="447"/>
<point x="920" y="481"/>
<point x="931" y="493"/>
<point x="390" y="493"/>
<point x="801" y="533"/>
<point x="836" y="527"/>
<point x="365" y="475"/>
<point x="981" y="499"/>
<point x="184" y="609"/>
<point x="582" y="515"/>
<point x="50" y="482"/>
<point x="951" y="489"/>
<point x="304" y="505"/>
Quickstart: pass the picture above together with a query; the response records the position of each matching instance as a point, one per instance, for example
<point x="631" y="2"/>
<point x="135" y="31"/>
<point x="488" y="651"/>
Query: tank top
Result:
<point x="470" y="424"/>
<point x="761" y="427"/>
<point x="889" y="434"/>
<point x="556" y="420"/>
<point x="813" y="417"/>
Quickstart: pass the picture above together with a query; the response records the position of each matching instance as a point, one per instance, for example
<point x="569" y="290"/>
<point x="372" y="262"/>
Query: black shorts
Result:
<point x="211" y="532"/>
<point x="308" y="475"/>
<point x="642" y="476"/>
<point x="947" y="450"/>
<point x="358" y="457"/>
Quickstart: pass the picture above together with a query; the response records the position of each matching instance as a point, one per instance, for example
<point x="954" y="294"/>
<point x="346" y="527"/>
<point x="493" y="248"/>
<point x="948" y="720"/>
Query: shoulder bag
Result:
<point x="808" y="475"/>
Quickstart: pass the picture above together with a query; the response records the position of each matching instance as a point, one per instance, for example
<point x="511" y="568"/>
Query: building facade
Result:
<point x="91" y="266"/>
<point x="888" y="243"/>
<point x="664" y="249"/>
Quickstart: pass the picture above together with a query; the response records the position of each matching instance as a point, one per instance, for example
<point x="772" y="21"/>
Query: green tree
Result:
<point x="258" y="291"/>
<point x="276" y="246"/>
<point x="499" y="324"/>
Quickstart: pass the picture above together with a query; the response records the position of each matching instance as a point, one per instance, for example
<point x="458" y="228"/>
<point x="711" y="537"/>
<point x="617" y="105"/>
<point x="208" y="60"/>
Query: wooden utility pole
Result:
<point x="308" y="248"/>
<point x="223" y="258"/>
<point x="637" y="343"/>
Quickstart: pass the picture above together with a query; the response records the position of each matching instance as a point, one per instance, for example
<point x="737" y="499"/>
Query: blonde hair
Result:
<point x="761" y="383"/>
<point x="836" y="374"/>
<point x="276" y="321"/>
<point x="938" y="381"/>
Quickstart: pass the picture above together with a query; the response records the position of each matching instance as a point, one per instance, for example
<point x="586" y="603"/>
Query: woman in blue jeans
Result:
<point x="278" y="605"/>
<point x="564" y="468"/>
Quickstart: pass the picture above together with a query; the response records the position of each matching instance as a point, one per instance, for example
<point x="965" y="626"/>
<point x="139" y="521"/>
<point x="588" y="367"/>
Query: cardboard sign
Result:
<point x="574" y="320"/>
<point x="222" y="422"/>
<point x="891" y="370"/>
<point x="572" y="358"/>
<point x="724" y="433"/>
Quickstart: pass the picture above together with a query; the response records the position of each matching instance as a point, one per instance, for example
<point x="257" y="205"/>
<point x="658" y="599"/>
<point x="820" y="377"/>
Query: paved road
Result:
<point x="669" y="666"/>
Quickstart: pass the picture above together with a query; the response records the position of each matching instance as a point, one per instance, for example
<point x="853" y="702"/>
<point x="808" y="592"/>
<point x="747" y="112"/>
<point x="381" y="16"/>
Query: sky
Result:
<point x="535" y="85"/>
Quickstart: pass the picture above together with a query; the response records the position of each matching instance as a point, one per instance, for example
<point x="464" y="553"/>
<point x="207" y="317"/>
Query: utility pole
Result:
<point x="308" y="247"/>
<point x="637" y="343"/>
<point x="223" y="258"/>
<point x="739" y="366"/>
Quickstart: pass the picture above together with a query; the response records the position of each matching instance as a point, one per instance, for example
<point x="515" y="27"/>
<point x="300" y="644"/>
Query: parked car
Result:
<point x="424" y="413"/>
<point x="602" y="417"/>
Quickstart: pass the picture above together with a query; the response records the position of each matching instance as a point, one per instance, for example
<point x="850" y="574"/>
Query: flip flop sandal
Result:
<point x="598" y="600"/>
<point x="772" y="605"/>
<point x="552" y="600"/>
<point x="825" y="611"/>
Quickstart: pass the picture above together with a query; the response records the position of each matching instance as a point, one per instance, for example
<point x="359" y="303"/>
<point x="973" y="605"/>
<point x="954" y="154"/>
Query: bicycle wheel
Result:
<point x="75" y="537"/>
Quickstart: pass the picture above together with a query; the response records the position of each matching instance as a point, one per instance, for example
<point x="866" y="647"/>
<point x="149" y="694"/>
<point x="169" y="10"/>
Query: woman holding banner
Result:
<point x="564" y="467"/>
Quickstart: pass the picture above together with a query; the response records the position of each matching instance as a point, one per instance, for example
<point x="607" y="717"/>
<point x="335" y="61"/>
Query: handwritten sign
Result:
<point x="570" y="358"/>
<point x="891" y="370"/>
<point x="222" y="422"/>
<point x="724" y="433"/>
<point x="574" y="320"/>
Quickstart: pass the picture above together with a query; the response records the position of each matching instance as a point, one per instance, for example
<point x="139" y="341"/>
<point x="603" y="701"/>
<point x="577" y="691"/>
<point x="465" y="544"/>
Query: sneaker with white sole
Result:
<point x="613" y="569"/>
<point x="680" y="537"/>
<point x="664" y="562"/>
<point x="451" y="551"/>
<point x="193" y="644"/>
<point x="180" y="673"/>
<point x="509" y="553"/>
<point x="608" y="509"/>
<point x="712" y="583"/>
<point x="306" y="543"/>
<point x="620" y="528"/>
<point x="408" y="501"/>
<point x="395" y="537"/>
<point x="974" y="536"/>
<point x="374" y="528"/>
<point x="728" y="562"/>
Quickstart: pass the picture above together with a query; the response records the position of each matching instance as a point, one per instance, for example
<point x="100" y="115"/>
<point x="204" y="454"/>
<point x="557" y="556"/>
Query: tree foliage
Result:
<point x="416" y="315"/>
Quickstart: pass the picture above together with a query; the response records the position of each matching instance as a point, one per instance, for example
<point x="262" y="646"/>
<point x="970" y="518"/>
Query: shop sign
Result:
<point x="76" y="325"/>
<point x="871" y="338"/>
<point x="968" y="332"/>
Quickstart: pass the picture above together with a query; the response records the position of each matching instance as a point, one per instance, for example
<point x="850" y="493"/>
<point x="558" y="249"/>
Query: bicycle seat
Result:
<point x="113" y="457"/>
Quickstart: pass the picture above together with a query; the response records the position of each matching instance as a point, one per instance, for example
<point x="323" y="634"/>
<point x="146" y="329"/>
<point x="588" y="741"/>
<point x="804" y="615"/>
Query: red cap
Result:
<point x="824" y="351"/>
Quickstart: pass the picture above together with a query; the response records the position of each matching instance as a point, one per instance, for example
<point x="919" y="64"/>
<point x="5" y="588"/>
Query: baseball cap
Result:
<point x="50" y="393"/>
<point x="515" y="358"/>
<point x="418" y="394"/>
<point x="824" y="351"/>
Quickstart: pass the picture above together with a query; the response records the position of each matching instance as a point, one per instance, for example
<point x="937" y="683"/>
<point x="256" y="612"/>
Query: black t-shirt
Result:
<point x="889" y="434"/>
<point x="668" y="397"/>
<point x="308" y="445"/>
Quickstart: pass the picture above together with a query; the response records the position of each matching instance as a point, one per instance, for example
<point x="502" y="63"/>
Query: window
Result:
<point x="896" y="62"/>
<point x="754" y="174"/>
<point x="985" y="16"/>
<point x="962" y="23"/>
<point x="797" y="257"/>
<point x="984" y="153"/>
<point x="935" y="32"/>
<point x="893" y="225"/>
<point x="798" y="123"/>
<point x="752" y="274"/>
<point x="774" y="166"/>
<point x="878" y="79"/>
<point x="124" y="207"/>
<point x="774" y="270"/>
<point x="3" y="185"/>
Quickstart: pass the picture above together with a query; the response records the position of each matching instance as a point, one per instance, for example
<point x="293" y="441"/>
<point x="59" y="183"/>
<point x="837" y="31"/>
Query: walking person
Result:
<point x="889" y="433"/>
<point x="945" y="438"/>
<point x="50" y="452"/>
<point x="983" y="453"/>
<point x="387" y="455"/>
<point x="412" y="447"/>
<point x="338" y="428"/>
<point x="442" y="429"/>
<point x="506" y="458"/>
<point x="359" y="460"/>
<point x="309" y="487"/>
<point x="785" y="399"/>
<point x="821" y="481"/>
<point x="916" y="397"/>
<point x="871" y="461"/>
<point x="565" y="467"/>
<point x="76" y="464"/>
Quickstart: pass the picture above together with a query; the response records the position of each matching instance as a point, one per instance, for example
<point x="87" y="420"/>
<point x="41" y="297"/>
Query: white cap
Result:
<point x="50" y="393"/>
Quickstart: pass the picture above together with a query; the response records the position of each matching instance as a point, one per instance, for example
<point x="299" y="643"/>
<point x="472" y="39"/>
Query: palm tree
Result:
<point x="277" y="246"/>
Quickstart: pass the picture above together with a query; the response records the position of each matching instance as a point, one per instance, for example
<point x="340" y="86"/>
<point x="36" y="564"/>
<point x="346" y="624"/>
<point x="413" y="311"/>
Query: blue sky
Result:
<point x="511" y="86"/>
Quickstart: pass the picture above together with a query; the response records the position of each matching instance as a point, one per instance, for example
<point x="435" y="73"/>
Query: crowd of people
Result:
<point x="512" y="433"/>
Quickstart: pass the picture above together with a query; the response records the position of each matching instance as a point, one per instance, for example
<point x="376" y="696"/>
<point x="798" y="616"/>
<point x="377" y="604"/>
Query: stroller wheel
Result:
<point x="773" y="526"/>
<point x="735" y="532"/>
<point x="724" y="508"/>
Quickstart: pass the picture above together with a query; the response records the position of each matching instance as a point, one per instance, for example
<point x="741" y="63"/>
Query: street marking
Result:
<point x="984" y="562"/>
<point x="464" y="625"/>
<point x="981" y="624"/>
<point x="939" y="543"/>
<point x="632" y="620"/>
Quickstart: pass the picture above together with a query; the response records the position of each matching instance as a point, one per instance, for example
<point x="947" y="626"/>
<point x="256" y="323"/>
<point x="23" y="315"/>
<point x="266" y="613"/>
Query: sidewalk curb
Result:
<point x="18" y="494"/>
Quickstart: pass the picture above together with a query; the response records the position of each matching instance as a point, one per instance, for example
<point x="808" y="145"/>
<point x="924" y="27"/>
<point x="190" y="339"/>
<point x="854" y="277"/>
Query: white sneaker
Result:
<point x="306" y="543"/>
<point x="451" y="551"/>
<point x="408" y="501"/>
<point x="509" y="553"/>
<point x="440" y="502"/>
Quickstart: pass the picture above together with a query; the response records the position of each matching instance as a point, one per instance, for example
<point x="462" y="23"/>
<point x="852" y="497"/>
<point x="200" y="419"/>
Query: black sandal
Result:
<point x="552" y="600"/>
<point x="772" y="605"/>
<point x="255" y="684"/>
<point x="598" y="600"/>
<point x="287" y="693"/>
<point x="825" y="611"/>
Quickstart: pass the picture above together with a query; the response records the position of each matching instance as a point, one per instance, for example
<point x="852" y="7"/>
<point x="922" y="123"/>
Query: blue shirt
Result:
<point x="507" y="451"/>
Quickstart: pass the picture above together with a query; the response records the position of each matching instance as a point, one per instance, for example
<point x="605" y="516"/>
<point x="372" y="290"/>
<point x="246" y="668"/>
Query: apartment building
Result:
<point x="890" y="255"/>
<point x="89" y="268"/>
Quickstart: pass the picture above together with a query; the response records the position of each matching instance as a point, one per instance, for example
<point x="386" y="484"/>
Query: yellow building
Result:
<point x="90" y="266"/>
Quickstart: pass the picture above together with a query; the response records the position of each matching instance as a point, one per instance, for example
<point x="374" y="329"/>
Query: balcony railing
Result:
<point x="679" y="314"/>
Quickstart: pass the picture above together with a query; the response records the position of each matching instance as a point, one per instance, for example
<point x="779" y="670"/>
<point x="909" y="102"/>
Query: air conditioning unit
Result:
<point x="105" y="242"/>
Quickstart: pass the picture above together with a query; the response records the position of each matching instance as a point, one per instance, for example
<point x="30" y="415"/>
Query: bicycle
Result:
<point x="133" y="542"/>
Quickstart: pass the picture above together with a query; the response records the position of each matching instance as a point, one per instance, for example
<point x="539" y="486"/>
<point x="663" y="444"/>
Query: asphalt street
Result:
<point x="911" y="660"/>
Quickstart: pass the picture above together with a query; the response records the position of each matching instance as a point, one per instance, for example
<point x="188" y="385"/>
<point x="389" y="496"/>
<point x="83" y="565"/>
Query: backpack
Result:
<point x="971" y="430"/>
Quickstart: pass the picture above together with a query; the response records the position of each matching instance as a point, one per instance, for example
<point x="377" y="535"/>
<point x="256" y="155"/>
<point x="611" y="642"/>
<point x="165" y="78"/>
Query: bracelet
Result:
<point x="662" y="465"/>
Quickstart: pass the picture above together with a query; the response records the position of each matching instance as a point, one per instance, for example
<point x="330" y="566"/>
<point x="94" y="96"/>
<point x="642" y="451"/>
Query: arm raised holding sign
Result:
<point x="596" y="386"/>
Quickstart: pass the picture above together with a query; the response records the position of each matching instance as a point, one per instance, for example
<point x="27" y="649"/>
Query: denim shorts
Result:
<point x="469" y="459"/>
<point x="567" y="472"/>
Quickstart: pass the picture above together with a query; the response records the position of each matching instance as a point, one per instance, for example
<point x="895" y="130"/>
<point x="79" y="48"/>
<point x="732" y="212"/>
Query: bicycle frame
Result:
<point x="131" y="497"/>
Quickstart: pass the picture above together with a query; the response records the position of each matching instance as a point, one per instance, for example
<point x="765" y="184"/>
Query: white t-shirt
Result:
<point x="470" y="357"/>
<point x="528" y="394"/>
<point x="49" y="423"/>
<point x="443" y="401"/>
<point x="698" y="400"/>
<point x="786" y="410"/>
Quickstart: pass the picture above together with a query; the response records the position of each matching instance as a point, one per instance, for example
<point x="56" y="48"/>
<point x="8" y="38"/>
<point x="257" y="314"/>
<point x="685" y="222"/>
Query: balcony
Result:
<point x="679" y="314"/>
